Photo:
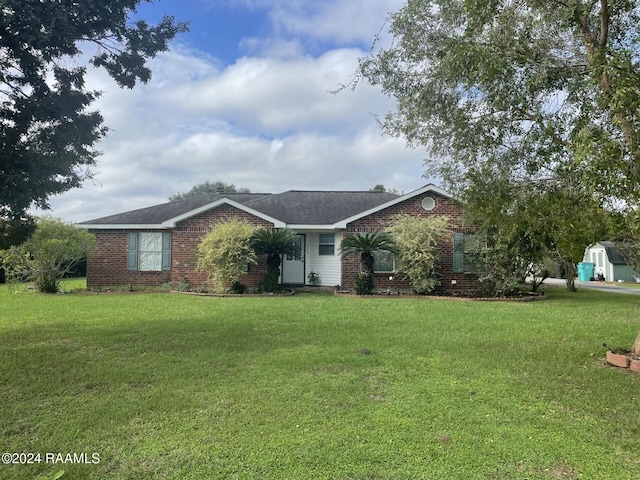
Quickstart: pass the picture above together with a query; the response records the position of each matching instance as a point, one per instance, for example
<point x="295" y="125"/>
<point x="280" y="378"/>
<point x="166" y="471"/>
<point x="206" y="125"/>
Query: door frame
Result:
<point x="303" y="254"/>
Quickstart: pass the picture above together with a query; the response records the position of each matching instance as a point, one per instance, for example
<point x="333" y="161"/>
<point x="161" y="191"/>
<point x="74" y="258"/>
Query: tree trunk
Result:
<point x="570" y="269"/>
<point x="366" y="263"/>
<point x="636" y="346"/>
<point x="273" y="261"/>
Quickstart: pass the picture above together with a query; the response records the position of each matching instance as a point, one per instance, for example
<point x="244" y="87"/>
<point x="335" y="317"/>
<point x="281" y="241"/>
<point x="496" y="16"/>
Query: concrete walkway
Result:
<point x="603" y="287"/>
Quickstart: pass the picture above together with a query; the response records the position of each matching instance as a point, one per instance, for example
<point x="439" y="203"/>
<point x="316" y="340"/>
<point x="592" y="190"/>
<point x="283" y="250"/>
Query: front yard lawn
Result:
<point x="170" y="386"/>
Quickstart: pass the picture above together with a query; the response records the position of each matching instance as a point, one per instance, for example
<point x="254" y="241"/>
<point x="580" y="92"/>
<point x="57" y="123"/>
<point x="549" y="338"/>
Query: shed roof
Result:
<point x="614" y="253"/>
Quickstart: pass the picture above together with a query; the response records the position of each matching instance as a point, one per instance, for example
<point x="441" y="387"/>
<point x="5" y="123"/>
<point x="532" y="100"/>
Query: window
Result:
<point x="428" y="203"/>
<point x="327" y="244"/>
<point x="384" y="262"/>
<point x="297" y="245"/>
<point x="149" y="251"/>
<point x="462" y="258"/>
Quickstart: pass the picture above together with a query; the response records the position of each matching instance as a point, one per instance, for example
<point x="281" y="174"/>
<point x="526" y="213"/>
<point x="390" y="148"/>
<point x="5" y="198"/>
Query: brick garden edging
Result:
<point x="626" y="361"/>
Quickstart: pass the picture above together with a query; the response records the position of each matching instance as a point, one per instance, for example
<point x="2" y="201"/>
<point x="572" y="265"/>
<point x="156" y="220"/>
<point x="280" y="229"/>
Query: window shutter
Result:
<point x="132" y="252"/>
<point x="458" y="252"/>
<point x="166" y="251"/>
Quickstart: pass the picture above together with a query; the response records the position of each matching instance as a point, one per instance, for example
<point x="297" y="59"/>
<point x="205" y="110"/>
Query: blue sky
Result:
<point x="245" y="98"/>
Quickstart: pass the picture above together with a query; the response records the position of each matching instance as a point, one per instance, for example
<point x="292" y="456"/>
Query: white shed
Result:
<point x="610" y="262"/>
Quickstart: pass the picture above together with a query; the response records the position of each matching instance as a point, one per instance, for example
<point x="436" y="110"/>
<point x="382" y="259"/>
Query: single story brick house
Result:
<point x="157" y="245"/>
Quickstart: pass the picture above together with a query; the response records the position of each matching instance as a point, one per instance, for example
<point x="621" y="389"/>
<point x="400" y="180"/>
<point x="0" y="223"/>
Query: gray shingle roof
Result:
<point x="292" y="207"/>
<point x="157" y="214"/>
<point x="614" y="254"/>
<point x="318" y="208"/>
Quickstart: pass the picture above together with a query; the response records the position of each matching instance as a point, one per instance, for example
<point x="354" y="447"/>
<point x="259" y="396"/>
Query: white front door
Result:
<point x="293" y="265"/>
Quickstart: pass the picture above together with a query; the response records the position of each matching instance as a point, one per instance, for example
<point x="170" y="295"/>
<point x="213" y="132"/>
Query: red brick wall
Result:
<point x="188" y="234"/>
<point x="107" y="265"/>
<point x="380" y="220"/>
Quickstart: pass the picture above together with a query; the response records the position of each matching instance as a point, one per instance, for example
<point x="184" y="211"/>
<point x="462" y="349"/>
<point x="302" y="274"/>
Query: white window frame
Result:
<point x="135" y="256"/>
<point x="325" y="243"/>
<point x="394" y="262"/>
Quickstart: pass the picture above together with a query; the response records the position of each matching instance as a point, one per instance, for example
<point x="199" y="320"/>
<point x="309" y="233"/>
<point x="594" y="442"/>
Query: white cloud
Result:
<point x="264" y="123"/>
<point x="276" y="95"/>
<point x="334" y="21"/>
<point x="342" y="21"/>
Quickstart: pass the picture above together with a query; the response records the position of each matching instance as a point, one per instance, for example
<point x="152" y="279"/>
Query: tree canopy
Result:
<point x="530" y="110"/>
<point x="48" y="134"/>
<point x="208" y="187"/>
<point x="535" y="88"/>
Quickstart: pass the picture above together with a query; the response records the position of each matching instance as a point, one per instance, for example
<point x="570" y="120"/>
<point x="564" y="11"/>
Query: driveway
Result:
<point x="603" y="287"/>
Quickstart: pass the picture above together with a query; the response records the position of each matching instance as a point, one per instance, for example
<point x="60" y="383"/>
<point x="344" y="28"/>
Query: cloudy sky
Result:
<point x="245" y="98"/>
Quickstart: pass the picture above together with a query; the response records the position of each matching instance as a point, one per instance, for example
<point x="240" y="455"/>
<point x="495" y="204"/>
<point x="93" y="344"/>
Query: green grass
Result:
<point x="170" y="386"/>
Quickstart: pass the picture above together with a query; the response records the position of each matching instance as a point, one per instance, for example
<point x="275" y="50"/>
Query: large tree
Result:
<point x="520" y="224"/>
<point x="538" y="88"/>
<point x="543" y="91"/>
<point x="47" y="132"/>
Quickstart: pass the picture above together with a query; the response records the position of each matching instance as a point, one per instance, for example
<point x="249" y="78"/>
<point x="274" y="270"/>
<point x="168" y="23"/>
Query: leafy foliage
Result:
<point x="521" y="224"/>
<point x="418" y="243"/>
<point x="365" y="245"/>
<point x="363" y="283"/>
<point x="225" y="252"/>
<point x="538" y="89"/>
<point x="14" y="231"/>
<point x="208" y="187"/>
<point x="47" y="131"/>
<point x="51" y="252"/>
<point x="274" y="243"/>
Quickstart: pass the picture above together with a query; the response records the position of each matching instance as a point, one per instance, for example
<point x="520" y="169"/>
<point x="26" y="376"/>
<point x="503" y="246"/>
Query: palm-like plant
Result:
<point x="365" y="244"/>
<point x="274" y="243"/>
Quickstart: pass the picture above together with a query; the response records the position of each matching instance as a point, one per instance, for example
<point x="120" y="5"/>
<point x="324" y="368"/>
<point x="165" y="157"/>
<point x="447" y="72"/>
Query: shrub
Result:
<point x="363" y="283"/>
<point x="225" y="252"/>
<point x="314" y="278"/>
<point x="274" y="243"/>
<point x="238" y="288"/>
<point x="54" y="249"/>
<point x="270" y="282"/>
<point x="417" y="241"/>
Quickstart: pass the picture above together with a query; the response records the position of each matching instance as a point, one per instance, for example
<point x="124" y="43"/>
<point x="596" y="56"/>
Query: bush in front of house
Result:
<point x="225" y="252"/>
<point x="55" y="249"/>
<point x="365" y="245"/>
<point x="363" y="283"/>
<point x="417" y="240"/>
<point x="274" y="244"/>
